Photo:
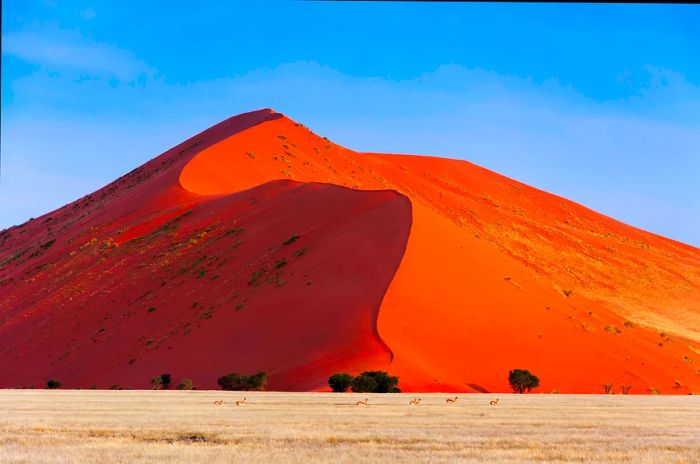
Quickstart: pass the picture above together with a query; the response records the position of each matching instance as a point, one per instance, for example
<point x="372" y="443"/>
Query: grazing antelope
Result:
<point x="415" y="401"/>
<point x="361" y="402"/>
<point x="494" y="402"/>
<point x="219" y="402"/>
<point x="451" y="400"/>
<point x="240" y="402"/>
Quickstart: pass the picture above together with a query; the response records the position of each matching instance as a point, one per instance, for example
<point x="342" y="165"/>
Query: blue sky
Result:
<point x="597" y="103"/>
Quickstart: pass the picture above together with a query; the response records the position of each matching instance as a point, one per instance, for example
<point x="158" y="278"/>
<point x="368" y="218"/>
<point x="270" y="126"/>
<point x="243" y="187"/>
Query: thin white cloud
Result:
<point x="65" y="51"/>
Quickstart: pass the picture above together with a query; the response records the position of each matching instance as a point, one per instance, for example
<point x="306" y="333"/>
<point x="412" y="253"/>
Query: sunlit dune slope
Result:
<point x="439" y="271"/>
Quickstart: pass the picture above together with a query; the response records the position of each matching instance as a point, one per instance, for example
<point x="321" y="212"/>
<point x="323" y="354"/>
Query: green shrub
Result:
<point x="385" y="382"/>
<point x="157" y="382"/>
<point x="300" y="252"/>
<point x="521" y="380"/>
<point x="364" y="384"/>
<point x="53" y="384"/>
<point x="232" y="381"/>
<point x="340" y="382"/>
<point x="166" y="380"/>
<point x="185" y="384"/>
<point x="237" y="382"/>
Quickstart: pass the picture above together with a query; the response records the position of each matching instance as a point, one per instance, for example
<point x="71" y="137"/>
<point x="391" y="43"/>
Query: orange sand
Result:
<point x="496" y="274"/>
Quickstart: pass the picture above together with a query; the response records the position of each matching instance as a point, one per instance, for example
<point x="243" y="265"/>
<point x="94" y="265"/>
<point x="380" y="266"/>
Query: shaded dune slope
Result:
<point x="152" y="278"/>
<point x="440" y="271"/>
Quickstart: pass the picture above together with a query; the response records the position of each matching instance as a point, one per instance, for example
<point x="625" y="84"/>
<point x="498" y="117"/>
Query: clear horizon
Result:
<point x="595" y="103"/>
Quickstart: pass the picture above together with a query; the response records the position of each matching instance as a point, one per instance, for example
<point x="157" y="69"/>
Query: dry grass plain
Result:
<point x="70" y="426"/>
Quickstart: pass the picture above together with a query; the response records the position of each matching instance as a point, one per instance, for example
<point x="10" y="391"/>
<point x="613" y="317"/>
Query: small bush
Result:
<point x="291" y="240"/>
<point x="364" y="384"/>
<point x="185" y="384"/>
<point x="48" y="244"/>
<point x="239" y="382"/>
<point x="53" y="384"/>
<point x="608" y="389"/>
<point x="385" y="382"/>
<point x="157" y="382"/>
<point x="625" y="389"/>
<point x="522" y="380"/>
<point x="340" y="382"/>
<point x="166" y="379"/>
<point x="300" y="252"/>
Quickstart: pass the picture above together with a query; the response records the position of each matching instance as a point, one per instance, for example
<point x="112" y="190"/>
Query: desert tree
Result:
<point x="522" y="380"/>
<point x="364" y="384"/>
<point x="340" y="382"/>
<point x="235" y="381"/>
<point x="53" y="384"/>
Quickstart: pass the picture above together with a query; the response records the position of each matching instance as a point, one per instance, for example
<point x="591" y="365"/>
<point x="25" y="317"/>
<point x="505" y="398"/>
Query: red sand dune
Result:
<point x="439" y="271"/>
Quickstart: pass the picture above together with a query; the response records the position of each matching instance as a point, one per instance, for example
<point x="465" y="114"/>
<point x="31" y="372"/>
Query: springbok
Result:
<point x="451" y="400"/>
<point x="361" y="402"/>
<point x="240" y="402"/>
<point x="219" y="402"/>
<point x="494" y="402"/>
<point x="415" y="401"/>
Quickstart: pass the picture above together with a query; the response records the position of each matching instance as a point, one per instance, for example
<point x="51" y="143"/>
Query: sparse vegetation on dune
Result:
<point x="69" y="426"/>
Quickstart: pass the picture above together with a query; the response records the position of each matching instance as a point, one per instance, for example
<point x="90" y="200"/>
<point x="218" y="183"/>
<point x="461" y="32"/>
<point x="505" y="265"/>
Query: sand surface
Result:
<point x="148" y="426"/>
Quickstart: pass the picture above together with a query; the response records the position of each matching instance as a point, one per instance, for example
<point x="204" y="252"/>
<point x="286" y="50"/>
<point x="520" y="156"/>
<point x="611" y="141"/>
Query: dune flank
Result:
<point x="437" y="270"/>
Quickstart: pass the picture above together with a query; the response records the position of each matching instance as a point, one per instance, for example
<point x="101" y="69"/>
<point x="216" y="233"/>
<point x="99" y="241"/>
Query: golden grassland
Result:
<point x="62" y="426"/>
